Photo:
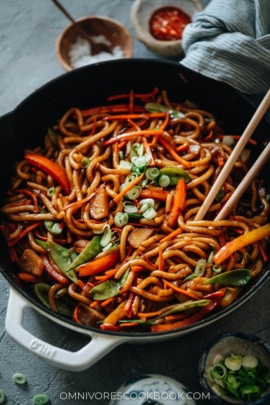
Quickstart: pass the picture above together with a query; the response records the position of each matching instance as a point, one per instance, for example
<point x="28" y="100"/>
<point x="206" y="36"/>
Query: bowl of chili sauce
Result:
<point x="159" y="24"/>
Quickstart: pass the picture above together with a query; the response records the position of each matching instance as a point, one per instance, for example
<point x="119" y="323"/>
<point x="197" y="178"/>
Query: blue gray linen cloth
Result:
<point x="230" y="41"/>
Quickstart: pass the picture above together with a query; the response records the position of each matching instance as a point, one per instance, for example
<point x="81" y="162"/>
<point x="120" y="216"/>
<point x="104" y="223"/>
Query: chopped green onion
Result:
<point x="129" y="206"/>
<point x="210" y="257"/>
<point x="99" y="231"/>
<point x="149" y="201"/>
<point x="138" y="148"/>
<point x="155" y="107"/>
<point x="40" y="399"/>
<point x="218" y="390"/>
<point x="53" y="137"/>
<point x="2" y="396"/>
<point x="121" y="219"/>
<point x="152" y="173"/>
<point x="107" y="247"/>
<point x="217" y="359"/>
<point x="121" y="155"/>
<point x="134" y="216"/>
<point x="131" y="177"/>
<point x="217" y="269"/>
<point x="218" y="371"/>
<point x="125" y="165"/>
<point x="85" y="162"/>
<point x="150" y="213"/>
<point x="144" y="207"/>
<point x="19" y="378"/>
<point x="51" y="191"/>
<point x="220" y="195"/>
<point x="106" y="237"/>
<point x="140" y="161"/>
<point x="190" y="277"/>
<point x="233" y="362"/>
<point x="249" y="361"/>
<point x="164" y="181"/>
<point x="134" y="193"/>
<point x="200" y="268"/>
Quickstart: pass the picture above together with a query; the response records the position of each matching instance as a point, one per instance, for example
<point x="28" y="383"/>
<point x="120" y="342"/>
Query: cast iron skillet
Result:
<point x="87" y="87"/>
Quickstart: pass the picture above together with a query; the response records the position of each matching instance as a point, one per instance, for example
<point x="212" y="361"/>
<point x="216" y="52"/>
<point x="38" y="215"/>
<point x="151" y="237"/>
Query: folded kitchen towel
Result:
<point x="230" y="41"/>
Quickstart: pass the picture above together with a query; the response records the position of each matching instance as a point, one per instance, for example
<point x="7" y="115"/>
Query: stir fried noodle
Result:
<point x="100" y="220"/>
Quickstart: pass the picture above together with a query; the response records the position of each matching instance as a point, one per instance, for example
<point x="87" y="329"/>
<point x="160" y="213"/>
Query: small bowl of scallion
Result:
<point x="235" y="369"/>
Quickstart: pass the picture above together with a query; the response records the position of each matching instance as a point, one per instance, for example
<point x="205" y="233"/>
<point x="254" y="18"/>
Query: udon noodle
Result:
<point x="100" y="219"/>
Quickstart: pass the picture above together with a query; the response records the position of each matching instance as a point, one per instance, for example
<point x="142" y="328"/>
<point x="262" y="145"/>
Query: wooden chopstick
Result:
<point x="242" y="187"/>
<point x="234" y="156"/>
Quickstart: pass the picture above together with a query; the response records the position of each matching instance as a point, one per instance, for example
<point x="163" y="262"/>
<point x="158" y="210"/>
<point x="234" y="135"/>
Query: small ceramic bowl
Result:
<point x="236" y="343"/>
<point x="114" y="33"/>
<point x="152" y="389"/>
<point x="141" y="13"/>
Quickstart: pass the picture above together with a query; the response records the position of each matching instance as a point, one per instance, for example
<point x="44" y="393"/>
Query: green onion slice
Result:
<point x="249" y="361"/>
<point x="149" y="201"/>
<point x="125" y="165"/>
<point x="150" y="213"/>
<point x="51" y="191"/>
<point x="217" y="269"/>
<point x="40" y="399"/>
<point x="164" y="181"/>
<point x="129" y="207"/>
<point x="200" y="268"/>
<point x="19" y="378"/>
<point x="121" y="219"/>
<point x="233" y="362"/>
<point x="134" y="193"/>
<point x="85" y="163"/>
<point x="152" y="173"/>
<point x="106" y="237"/>
<point x="218" y="371"/>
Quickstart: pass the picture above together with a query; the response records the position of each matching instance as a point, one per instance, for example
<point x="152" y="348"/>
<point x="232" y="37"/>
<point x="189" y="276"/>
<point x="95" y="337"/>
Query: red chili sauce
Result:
<point x="167" y="23"/>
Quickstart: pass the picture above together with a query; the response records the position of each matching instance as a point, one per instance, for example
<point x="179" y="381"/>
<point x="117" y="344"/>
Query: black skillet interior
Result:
<point x="89" y="87"/>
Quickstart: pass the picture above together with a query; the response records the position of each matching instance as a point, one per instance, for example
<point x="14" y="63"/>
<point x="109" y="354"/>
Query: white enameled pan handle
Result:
<point x="73" y="361"/>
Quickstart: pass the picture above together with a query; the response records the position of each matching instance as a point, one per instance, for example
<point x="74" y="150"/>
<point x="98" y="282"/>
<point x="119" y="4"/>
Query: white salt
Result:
<point x="80" y="52"/>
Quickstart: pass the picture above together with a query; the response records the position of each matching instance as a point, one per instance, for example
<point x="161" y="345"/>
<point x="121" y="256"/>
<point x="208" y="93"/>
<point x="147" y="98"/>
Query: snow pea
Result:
<point x="53" y="137"/>
<point x="52" y="226"/>
<point x="183" y="307"/>
<point x="61" y="257"/>
<point x="155" y="107"/>
<point x="64" y="305"/>
<point x="175" y="174"/>
<point x="108" y="289"/>
<point x="233" y="278"/>
<point x="220" y="195"/>
<point x="92" y="249"/>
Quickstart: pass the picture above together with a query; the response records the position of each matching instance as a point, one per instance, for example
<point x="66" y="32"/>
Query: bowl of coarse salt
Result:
<point x="73" y="50"/>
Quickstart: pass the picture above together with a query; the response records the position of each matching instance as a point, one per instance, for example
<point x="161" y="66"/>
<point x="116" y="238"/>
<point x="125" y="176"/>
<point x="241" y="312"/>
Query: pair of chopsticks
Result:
<point x="254" y="170"/>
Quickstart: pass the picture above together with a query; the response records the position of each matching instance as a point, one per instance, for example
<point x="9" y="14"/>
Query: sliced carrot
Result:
<point x="182" y="148"/>
<point x="94" y="304"/>
<point x="180" y="290"/>
<point x="148" y="151"/>
<point x="23" y="233"/>
<point x="81" y="284"/>
<point x="128" y="324"/>
<point x="75" y="315"/>
<point x="171" y="235"/>
<point x="173" y="153"/>
<point x="155" y="194"/>
<point x="166" y="121"/>
<point x="161" y="264"/>
<point x="178" y="204"/>
<point x="131" y="101"/>
<point x="99" y="265"/>
<point x="134" y="124"/>
<point x="78" y="204"/>
<point x="129" y="187"/>
<point x="28" y="277"/>
<point x="136" y="269"/>
<point x="136" y="95"/>
<point x="107" y="302"/>
<point x="130" y="135"/>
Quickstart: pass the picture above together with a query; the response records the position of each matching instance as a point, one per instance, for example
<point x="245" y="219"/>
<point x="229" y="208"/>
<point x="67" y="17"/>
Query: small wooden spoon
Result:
<point x="95" y="47"/>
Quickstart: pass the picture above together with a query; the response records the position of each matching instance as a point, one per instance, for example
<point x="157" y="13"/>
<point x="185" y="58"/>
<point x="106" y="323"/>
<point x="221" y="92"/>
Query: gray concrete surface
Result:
<point x="28" y="31"/>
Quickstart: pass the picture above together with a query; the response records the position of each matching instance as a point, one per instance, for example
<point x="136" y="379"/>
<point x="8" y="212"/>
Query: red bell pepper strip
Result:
<point x="178" y="204"/>
<point x="23" y="233"/>
<point x="250" y="237"/>
<point x="50" y="168"/>
<point x="99" y="265"/>
<point x="50" y="270"/>
<point x="215" y="295"/>
<point x="28" y="277"/>
<point x="188" y="321"/>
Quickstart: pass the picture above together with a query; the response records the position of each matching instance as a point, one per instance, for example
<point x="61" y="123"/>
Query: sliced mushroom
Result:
<point x="139" y="235"/>
<point x="89" y="316"/>
<point x="99" y="205"/>
<point x="31" y="263"/>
